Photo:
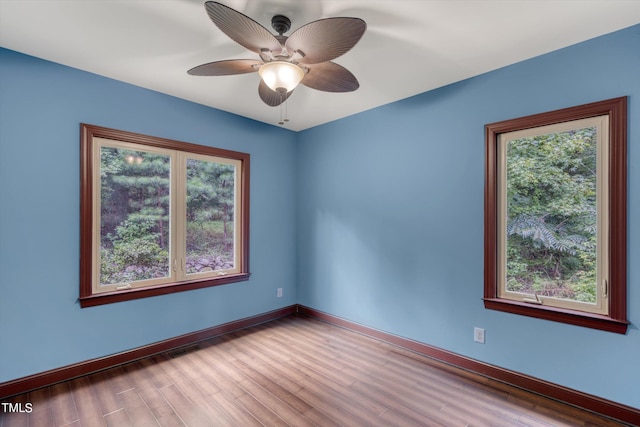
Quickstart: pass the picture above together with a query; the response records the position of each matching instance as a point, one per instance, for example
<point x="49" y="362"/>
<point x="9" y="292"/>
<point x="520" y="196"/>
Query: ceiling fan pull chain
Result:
<point x="284" y="102"/>
<point x="286" y="110"/>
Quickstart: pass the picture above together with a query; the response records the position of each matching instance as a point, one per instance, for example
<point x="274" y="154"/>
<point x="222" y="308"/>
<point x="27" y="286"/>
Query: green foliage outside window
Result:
<point x="210" y="212"/>
<point x="135" y="209"/>
<point x="551" y="209"/>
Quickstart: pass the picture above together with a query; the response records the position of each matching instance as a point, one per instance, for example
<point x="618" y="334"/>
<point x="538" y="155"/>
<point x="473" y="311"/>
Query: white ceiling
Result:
<point x="410" y="46"/>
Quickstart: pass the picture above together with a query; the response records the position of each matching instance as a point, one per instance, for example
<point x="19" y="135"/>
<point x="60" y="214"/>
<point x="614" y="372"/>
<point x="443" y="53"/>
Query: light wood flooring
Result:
<point x="294" y="371"/>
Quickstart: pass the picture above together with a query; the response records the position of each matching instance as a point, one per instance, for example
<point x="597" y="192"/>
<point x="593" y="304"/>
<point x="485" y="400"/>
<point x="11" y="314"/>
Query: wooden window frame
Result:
<point x="616" y="319"/>
<point x="90" y="298"/>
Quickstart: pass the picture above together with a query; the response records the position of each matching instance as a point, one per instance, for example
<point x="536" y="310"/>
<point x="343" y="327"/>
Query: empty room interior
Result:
<point x="183" y="244"/>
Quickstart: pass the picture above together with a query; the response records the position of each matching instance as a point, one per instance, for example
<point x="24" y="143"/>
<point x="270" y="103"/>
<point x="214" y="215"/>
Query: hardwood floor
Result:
<point x="294" y="371"/>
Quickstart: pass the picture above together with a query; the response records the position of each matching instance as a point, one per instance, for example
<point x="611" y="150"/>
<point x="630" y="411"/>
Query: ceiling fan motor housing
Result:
<point x="281" y="24"/>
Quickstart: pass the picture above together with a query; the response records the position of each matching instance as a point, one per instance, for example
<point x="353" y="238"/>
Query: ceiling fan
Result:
<point x="285" y="61"/>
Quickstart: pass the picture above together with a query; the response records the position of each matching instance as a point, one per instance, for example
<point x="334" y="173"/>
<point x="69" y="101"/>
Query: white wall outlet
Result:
<point x="478" y="335"/>
<point x="279" y="293"/>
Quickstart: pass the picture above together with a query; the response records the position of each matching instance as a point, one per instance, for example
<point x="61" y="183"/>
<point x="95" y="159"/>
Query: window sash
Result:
<point x="182" y="216"/>
<point x="601" y="123"/>
<point x="98" y="287"/>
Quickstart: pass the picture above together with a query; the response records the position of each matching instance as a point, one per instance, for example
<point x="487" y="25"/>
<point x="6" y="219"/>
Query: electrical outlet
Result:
<point x="279" y="293"/>
<point x="478" y="335"/>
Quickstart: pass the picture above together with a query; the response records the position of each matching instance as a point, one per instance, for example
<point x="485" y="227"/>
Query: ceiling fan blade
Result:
<point x="325" y="39"/>
<point x="242" y="29"/>
<point x="330" y="77"/>
<point x="226" y="68"/>
<point x="271" y="97"/>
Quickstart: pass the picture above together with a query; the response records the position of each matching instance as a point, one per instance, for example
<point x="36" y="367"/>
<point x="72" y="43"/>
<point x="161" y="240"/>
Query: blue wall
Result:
<point x="377" y="218"/>
<point x="390" y="218"/>
<point x="41" y="324"/>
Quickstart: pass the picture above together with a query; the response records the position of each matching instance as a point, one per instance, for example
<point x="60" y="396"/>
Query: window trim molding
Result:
<point x="616" y="321"/>
<point x="87" y="297"/>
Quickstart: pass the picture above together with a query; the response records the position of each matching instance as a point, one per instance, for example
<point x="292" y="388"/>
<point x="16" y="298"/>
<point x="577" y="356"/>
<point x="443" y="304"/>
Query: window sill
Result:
<point x="131" y="294"/>
<point x="572" y="317"/>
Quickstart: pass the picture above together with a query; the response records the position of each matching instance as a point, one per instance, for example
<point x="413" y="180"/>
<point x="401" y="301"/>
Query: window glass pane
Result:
<point x="210" y="216"/>
<point x="552" y="215"/>
<point x="134" y="215"/>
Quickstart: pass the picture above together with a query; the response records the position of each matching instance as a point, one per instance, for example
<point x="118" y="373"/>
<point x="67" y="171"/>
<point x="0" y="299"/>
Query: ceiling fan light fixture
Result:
<point x="281" y="76"/>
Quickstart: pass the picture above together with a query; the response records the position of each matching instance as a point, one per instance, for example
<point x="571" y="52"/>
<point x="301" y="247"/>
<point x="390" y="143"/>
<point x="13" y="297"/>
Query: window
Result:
<point x="159" y="216"/>
<point x="555" y="216"/>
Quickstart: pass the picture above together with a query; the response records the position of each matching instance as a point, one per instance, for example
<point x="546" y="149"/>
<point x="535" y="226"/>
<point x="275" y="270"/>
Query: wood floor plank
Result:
<point x="268" y="370"/>
<point x="468" y="416"/>
<point x="86" y="402"/>
<point x="195" y="369"/>
<point x="189" y="413"/>
<point x="41" y="417"/>
<point x="219" y="372"/>
<point x="314" y="364"/>
<point x="309" y="346"/>
<point x="224" y="397"/>
<point x="320" y="390"/>
<point x="446" y="391"/>
<point x="234" y="411"/>
<point x="62" y="404"/>
<point x="118" y="418"/>
<point x="105" y="393"/>
<point x="261" y="412"/>
<point x="137" y="410"/>
<point x="40" y="399"/>
<point x="154" y="371"/>
<point x="555" y="413"/>
<point x="275" y="404"/>
<point x="192" y="390"/>
<point x="339" y="394"/>
<point x="320" y="418"/>
<point x="154" y="400"/>
<point x="427" y="413"/>
<point x="450" y="391"/>
<point x="346" y="416"/>
<point x="277" y="372"/>
<point x="294" y="371"/>
<point x="15" y="419"/>
<point x="392" y="418"/>
<point x="120" y="381"/>
<point x="272" y="387"/>
<point x="268" y="352"/>
<point x="244" y="376"/>
<point x="346" y="341"/>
